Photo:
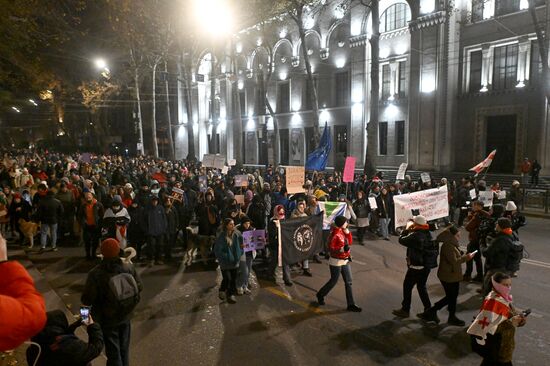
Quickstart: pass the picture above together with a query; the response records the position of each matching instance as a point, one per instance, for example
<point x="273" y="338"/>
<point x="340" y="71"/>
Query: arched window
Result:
<point x="395" y="17"/>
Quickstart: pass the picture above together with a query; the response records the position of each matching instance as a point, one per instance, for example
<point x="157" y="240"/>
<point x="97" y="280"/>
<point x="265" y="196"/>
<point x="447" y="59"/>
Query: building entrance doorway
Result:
<point x="501" y="135"/>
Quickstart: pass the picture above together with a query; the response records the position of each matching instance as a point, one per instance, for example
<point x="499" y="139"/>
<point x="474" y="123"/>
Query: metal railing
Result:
<point x="536" y="200"/>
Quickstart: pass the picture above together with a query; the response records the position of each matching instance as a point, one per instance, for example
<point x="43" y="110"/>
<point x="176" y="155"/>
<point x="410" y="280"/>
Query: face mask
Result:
<point x="504" y="291"/>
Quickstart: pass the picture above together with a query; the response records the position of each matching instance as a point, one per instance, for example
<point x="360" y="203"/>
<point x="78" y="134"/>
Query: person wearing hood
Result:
<point x="493" y="330"/>
<point x="157" y="225"/>
<point x="340" y="241"/>
<point x="61" y="347"/>
<point x="449" y="274"/>
<point x="228" y="251"/>
<point x="50" y="211"/>
<point x="116" y="220"/>
<point x="90" y="216"/>
<point x="67" y="200"/>
<point x="415" y="237"/>
<point x="273" y="245"/>
<point x="113" y="316"/>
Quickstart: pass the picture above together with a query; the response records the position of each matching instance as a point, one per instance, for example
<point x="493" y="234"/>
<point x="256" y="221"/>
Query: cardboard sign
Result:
<point x="432" y="203"/>
<point x="253" y="240"/>
<point x="372" y="203"/>
<point x="473" y="194"/>
<point x="177" y="194"/>
<point x="232" y="162"/>
<point x="239" y="198"/>
<point x="349" y="169"/>
<point x="208" y="160"/>
<point x="295" y="179"/>
<point x="219" y="161"/>
<point x="241" y="180"/>
<point x="401" y="172"/>
<point x="225" y="170"/>
<point x="486" y="197"/>
<point x="425" y="177"/>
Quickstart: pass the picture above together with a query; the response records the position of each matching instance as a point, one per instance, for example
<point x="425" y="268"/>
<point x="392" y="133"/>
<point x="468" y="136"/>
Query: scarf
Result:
<point x="494" y="310"/>
<point x="507" y="231"/>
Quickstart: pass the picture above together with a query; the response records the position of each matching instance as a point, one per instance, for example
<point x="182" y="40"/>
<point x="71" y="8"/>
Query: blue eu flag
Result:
<point x="318" y="158"/>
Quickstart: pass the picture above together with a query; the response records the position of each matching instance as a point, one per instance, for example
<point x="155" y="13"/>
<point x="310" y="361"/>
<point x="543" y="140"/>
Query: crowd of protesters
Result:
<point x="131" y="201"/>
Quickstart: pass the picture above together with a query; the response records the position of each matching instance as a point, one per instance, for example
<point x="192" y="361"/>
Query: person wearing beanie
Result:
<point x="416" y="238"/>
<point x="449" y="273"/>
<point x="503" y="254"/>
<point x="50" y="212"/>
<point x="113" y="316"/>
<point x="340" y="241"/>
<point x="517" y="219"/>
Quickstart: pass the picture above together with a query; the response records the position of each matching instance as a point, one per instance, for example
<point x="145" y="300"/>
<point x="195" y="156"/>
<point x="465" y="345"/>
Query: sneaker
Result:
<point x="320" y="299"/>
<point x="240" y="291"/>
<point x="354" y="308"/>
<point x="307" y="272"/>
<point x="54" y="249"/>
<point x="453" y="320"/>
<point x="247" y="291"/>
<point x="232" y="299"/>
<point x="400" y="313"/>
<point x="429" y="315"/>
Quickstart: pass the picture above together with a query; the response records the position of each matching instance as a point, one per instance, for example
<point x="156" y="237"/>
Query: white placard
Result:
<point x="501" y="195"/>
<point x="232" y="162"/>
<point x="486" y="197"/>
<point x="401" y="172"/>
<point x="425" y="177"/>
<point x="372" y="203"/>
<point x="473" y="194"/>
<point x="431" y="203"/>
<point x="225" y="169"/>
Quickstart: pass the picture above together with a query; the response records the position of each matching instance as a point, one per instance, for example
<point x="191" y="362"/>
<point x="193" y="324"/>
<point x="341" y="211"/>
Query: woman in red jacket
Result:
<point x="339" y="262"/>
<point x="22" y="308"/>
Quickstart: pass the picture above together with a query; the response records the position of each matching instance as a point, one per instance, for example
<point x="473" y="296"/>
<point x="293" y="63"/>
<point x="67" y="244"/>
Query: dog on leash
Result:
<point x="29" y="230"/>
<point x="197" y="243"/>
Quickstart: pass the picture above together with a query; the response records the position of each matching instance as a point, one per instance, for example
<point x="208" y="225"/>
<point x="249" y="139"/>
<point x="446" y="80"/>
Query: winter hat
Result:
<point x="420" y="220"/>
<point x="511" y="206"/>
<point x="515" y="183"/>
<point x="110" y="248"/>
<point x="85" y="190"/>
<point x="339" y="221"/>
<point x="17" y="195"/>
<point x="117" y="199"/>
<point x="504" y="223"/>
<point x="128" y="186"/>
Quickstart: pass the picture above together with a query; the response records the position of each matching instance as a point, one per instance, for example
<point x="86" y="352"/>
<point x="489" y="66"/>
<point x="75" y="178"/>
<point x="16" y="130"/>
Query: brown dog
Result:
<point x="29" y="230"/>
<point x="197" y="243"/>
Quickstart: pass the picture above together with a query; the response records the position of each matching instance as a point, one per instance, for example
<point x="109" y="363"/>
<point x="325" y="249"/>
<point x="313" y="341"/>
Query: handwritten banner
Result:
<point x="432" y="204"/>
<point x="295" y="179"/>
<point x="254" y="240"/>
<point x="241" y="180"/>
<point x="401" y="172"/>
<point x="486" y="197"/>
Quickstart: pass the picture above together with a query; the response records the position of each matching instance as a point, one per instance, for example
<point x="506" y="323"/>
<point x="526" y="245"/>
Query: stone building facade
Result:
<point x="457" y="80"/>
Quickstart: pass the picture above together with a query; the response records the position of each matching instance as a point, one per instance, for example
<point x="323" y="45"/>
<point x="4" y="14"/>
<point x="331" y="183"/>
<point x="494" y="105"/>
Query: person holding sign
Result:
<point x="273" y="233"/>
<point x="228" y="251"/>
<point x="245" y="264"/>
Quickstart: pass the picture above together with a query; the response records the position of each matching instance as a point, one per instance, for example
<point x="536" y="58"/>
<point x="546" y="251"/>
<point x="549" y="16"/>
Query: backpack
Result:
<point x="515" y="255"/>
<point x="123" y="293"/>
<point x="430" y="252"/>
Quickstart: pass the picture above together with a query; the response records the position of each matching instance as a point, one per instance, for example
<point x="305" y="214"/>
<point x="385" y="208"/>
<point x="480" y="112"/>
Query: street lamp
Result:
<point x="33" y="102"/>
<point x="101" y="65"/>
<point x="214" y="16"/>
<point x="16" y="109"/>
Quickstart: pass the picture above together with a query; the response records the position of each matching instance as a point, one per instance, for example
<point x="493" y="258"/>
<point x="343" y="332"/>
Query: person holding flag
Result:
<point x="339" y="262"/>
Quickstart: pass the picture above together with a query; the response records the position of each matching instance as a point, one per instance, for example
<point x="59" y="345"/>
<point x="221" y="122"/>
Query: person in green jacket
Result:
<point x="228" y="251"/>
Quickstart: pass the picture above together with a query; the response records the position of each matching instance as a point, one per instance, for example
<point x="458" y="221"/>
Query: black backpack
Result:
<point x="123" y="293"/>
<point x="430" y="253"/>
<point x="515" y="255"/>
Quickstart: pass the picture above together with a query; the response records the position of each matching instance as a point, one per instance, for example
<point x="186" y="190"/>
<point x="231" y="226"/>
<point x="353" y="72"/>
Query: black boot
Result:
<point x="429" y="315"/>
<point x="453" y="320"/>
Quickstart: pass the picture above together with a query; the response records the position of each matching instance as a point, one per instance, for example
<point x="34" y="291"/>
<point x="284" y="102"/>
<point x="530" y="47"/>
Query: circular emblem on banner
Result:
<point x="303" y="238"/>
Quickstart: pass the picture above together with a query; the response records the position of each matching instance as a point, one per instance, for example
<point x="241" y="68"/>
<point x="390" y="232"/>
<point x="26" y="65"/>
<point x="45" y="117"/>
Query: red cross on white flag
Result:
<point x="485" y="163"/>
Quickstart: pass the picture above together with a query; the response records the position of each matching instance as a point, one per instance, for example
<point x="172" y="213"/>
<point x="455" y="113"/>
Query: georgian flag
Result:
<point x="485" y="163"/>
<point x="332" y="210"/>
<point x="495" y="310"/>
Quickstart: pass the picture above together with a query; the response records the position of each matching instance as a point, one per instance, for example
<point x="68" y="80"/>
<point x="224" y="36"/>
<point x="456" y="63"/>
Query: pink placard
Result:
<point x="349" y="169"/>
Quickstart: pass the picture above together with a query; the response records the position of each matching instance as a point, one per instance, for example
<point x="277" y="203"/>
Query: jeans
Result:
<point x="229" y="281"/>
<point x="384" y="223"/>
<point x="91" y="236"/>
<point x="335" y="272"/>
<point x="154" y="246"/>
<point x="44" y="228"/>
<point x="417" y="277"/>
<point x="245" y="268"/>
<point x="117" y="344"/>
<point x="274" y="262"/>
<point x="474" y="245"/>
<point x="451" y="296"/>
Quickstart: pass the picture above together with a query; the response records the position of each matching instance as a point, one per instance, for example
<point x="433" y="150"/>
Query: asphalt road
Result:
<point x="181" y="321"/>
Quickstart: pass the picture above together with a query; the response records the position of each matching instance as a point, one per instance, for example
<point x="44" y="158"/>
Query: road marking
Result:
<point x="536" y="263"/>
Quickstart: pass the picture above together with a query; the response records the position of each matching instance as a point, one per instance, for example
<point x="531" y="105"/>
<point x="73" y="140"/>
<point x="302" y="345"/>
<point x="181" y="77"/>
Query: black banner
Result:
<point x="301" y="238"/>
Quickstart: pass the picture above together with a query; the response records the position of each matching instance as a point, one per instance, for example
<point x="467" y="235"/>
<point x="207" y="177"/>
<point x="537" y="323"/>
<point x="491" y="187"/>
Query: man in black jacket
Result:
<point x="61" y="347"/>
<point x="50" y="212"/>
<point x="415" y="237"/>
<point x="113" y="319"/>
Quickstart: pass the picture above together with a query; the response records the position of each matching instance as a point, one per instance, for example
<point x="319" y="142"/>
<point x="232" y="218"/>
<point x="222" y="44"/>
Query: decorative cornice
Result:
<point x="428" y="20"/>
<point x="359" y="40"/>
<point x="394" y="33"/>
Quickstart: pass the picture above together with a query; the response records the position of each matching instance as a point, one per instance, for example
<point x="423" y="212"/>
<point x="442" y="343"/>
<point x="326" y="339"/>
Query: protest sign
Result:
<point x="486" y="197"/>
<point x="232" y="162"/>
<point x="425" y="177"/>
<point x="219" y="161"/>
<point x="203" y="183"/>
<point x="177" y="194"/>
<point x="501" y="195"/>
<point x="253" y="240"/>
<point x="349" y="169"/>
<point x="241" y="180"/>
<point x="295" y="179"/>
<point x="401" y="171"/>
<point x="473" y="194"/>
<point x="431" y="203"/>
<point x="239" y="198"/>
<point x="225" y="170"/>
<point x="372" y="203"/>
<point x="208" y="160"/>
<point x="301" y="238"/>
<point x="85" y="157"/>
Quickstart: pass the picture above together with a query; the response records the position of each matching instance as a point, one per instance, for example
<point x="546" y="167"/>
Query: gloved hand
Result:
<point x="346" y="248"/>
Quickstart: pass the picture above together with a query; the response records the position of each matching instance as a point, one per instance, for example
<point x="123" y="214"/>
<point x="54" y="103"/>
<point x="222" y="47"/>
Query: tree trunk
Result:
<point x="138" y="100"/>
<point x="169" y="116"/>
<point x="154" y="113"/>
<point x="313" y="96"/>
<point x="189" y="108"/>
<point x="372" y="126"/>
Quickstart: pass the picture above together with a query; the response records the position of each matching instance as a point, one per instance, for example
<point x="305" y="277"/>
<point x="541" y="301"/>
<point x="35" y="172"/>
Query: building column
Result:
<point x="357" y="142"/>
<point x="524" y="48"/>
